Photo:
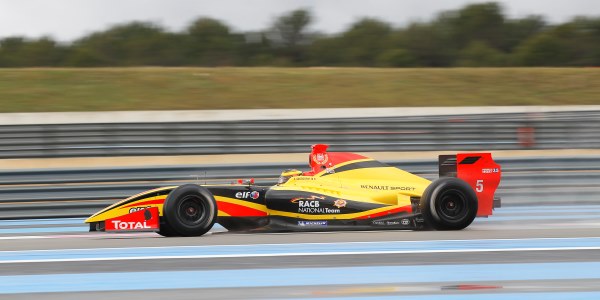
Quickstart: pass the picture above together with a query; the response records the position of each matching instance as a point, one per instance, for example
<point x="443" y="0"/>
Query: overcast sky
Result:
<point x="67" y="20"/>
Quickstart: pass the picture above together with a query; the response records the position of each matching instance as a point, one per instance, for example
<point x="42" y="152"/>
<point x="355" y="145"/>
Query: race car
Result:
<point x="341" y="191"/>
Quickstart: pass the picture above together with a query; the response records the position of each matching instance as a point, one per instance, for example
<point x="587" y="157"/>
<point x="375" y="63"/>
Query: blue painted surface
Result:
<point x="483" y="296"/>
<point x="306" y="249"/>
<point x="77" y="228"/>
<point x="515" y="213"/>
<point x="543" y="210"/>
<point x="566" y="216"/>
<point x="34" y="222"/>
<point x="15" y="284"/>
<point x="84" y="228"/>
<point x="295" y="277"/>
<point x="557" y="208"/>
<point x="495" y="218"/>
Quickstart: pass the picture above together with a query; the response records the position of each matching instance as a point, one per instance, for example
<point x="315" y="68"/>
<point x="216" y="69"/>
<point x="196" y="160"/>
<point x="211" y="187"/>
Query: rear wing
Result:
<point x="480" y="171"/>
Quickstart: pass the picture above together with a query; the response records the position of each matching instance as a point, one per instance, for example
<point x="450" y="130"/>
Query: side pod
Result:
<point x="480" y="171"/>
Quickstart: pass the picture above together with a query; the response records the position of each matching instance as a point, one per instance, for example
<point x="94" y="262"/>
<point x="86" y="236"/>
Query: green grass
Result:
<point x="102" y="89"/>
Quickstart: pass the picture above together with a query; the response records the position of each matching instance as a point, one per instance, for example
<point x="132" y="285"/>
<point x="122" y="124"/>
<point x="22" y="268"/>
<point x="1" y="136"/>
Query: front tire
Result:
<point x="449" y="204"/>
<point x="189" y="210"/>
<point x="166" y="230"/>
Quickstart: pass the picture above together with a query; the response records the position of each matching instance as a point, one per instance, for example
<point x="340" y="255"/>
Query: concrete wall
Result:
<point x="267" y="114"/>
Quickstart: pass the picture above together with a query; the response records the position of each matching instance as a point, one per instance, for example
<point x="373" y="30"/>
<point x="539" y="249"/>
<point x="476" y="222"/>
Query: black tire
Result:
<point x="166" y="230"/>
<point x="449" y="203"/>
<point x="189" y="210"/>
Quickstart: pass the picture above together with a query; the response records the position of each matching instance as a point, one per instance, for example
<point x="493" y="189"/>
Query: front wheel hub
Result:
<point x="192" y="210"/>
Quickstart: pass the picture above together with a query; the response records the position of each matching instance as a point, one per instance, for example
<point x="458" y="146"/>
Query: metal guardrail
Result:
<point x="472" y="132"/>
<point x="80" y="192"/>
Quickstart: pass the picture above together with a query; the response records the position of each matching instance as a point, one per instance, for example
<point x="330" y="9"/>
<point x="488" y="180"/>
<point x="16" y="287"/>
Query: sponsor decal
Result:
<point x="339" y="203"/>
<point x="402" y="188"/>
<point x="375" y="187"/>
<point x="312" y="223"/>
<point x="311" y="198"/>
<point x="387" y="188"/>
<point x="304" y="178"/>
<point x="134" y="209"/>
<point x="245" y="195"/>
<point x="318" y="210"/>
<point x="312" y="205"/>
<point x="130" y="225"/>
<point x="386" y="223"/>
<point x="490" y="170"/>
<point x="320" y="158"/>
<point x="142" y="220"/>
<point x="306" y="203"/>
<point x="405" y="222"/>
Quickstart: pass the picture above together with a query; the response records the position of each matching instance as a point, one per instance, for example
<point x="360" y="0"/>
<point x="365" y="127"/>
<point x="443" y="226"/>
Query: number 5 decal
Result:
<point x="479" y="186"/>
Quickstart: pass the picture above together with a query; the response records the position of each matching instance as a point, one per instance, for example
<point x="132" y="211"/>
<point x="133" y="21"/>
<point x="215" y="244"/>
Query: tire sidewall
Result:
<point x="166" y="230"/>
<point x="171" y="206"/>
<point x="431" y="201"/>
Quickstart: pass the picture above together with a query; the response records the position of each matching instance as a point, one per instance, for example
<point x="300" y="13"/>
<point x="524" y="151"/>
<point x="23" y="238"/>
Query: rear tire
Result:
<point x="449" y="204"/>
<point x="189" y="210"/>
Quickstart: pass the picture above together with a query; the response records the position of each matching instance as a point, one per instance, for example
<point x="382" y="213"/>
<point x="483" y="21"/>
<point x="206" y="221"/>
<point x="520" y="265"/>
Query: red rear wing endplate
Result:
<point x="477" y="169"/>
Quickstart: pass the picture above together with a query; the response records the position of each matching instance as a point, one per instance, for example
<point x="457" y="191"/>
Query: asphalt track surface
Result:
<point x="527" y="252"/>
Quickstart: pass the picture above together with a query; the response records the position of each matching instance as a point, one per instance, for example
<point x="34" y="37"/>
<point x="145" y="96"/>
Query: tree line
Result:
<point x="476" y="35"/>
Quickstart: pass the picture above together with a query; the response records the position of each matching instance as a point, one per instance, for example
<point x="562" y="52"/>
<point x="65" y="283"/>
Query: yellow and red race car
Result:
<point x="342" y="191"/>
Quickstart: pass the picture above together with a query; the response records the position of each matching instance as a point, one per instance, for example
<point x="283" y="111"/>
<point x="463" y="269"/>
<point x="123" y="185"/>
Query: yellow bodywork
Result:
<point x="380" y="185"/>
<point x="118" y="209"/>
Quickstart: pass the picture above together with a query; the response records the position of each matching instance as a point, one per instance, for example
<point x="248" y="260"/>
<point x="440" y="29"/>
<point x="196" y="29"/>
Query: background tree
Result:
<point x="582" y="36"/>
<point x="325" y="51"/>
<point x="480" y="54"/>
<point x="253" y="49"/>
<point x="364" y="42"/>
<point x="474" y="35"/>
<point x="479" y="22"/>
<point x="132" y="44"/>
<point x="11" y="52"/>
<point x="430" y="45"/>
<point x="519" y="30"/>
<point x="542" y="50"/>
<point x="289" y="36"/>
<point x="209" y="42"/>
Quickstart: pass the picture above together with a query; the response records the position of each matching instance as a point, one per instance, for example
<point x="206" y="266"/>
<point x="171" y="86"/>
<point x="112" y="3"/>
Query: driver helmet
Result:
<point x="287" y="174"/>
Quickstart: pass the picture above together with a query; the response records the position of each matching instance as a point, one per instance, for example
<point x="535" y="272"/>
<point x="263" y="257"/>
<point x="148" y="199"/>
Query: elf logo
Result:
<point x="245" y="195"/>
<point x="134" y="209"/>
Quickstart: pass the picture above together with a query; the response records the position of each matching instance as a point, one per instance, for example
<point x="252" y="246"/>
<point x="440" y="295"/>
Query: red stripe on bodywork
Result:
<point x="236" y="210"/>
<point x="156" y="201"/>
<point x="396" y="210"/>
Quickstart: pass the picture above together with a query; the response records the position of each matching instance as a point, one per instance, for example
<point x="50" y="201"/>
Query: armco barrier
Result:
<point x="80" y="192"/>
<point x="450" y="132"/>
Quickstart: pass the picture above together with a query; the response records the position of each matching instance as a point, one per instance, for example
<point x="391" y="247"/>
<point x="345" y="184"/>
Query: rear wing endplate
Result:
<point x="480" y="171"/>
